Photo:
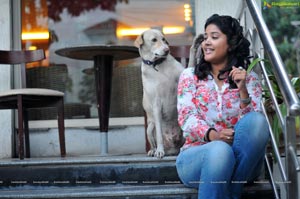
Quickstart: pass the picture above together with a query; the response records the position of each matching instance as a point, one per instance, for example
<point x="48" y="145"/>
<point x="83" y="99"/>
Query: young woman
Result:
<point x="220" y="114"/>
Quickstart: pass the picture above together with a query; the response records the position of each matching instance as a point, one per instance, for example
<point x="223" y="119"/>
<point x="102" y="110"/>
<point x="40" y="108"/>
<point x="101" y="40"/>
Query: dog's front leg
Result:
<point x="151" y="138"/>
<point x="157" y="113"/>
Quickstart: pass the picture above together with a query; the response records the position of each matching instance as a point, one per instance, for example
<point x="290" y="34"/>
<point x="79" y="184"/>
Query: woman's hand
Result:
<point x="225" y="135"/>
<point x="238" y="75"/>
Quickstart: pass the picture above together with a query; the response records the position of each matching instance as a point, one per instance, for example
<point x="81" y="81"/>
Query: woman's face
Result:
<point x="215" y="46"/>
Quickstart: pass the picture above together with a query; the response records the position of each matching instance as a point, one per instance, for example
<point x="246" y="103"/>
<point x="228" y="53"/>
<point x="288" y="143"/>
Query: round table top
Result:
<point x="88" y="52"/>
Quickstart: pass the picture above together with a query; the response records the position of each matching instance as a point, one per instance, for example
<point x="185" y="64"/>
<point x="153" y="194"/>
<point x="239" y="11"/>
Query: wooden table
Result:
<point x="103" y="57"/>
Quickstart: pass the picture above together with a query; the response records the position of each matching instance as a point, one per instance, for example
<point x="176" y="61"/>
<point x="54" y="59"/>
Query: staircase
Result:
<point x="120" y="177"/>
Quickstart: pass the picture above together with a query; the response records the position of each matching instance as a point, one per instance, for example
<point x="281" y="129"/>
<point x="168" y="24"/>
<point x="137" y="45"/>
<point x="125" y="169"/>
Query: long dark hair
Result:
<point x="238" y="52"/>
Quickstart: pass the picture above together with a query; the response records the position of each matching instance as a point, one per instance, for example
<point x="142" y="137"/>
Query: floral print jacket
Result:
<point x="201" y="105"/>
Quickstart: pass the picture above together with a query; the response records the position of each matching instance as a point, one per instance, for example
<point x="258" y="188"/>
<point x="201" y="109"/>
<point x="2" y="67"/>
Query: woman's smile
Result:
<point x="208" y="51"/>
<point x="215" y="46"/>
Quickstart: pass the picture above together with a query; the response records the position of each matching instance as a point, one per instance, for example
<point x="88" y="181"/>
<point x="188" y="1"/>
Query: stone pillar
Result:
<point x="206" y="8"/>
<point x="6" y="121"/>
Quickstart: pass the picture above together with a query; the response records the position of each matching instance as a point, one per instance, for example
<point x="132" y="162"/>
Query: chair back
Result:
<point x="181" y="54"/>
<point x="21" y="57"/>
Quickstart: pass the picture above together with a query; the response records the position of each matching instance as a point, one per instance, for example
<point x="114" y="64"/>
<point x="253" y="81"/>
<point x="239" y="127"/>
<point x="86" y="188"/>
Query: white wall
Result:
<point x="206" y="8"/>
<point x="86" y="141"/>
<point x="5" y="80"/>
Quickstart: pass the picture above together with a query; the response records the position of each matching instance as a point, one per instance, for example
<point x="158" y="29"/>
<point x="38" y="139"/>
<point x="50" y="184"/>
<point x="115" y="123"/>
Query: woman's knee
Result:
<point x="251" y="133"/>
<point x="214" y="160"/>
<point x="255" y="117"/>
<point x="219" y="149"/>
<point x="221" y="157"/>
<point x="257" y="125"/>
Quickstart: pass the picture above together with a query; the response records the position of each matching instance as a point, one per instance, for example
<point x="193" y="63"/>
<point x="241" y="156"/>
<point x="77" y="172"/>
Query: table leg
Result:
<point x="103" y="65"/>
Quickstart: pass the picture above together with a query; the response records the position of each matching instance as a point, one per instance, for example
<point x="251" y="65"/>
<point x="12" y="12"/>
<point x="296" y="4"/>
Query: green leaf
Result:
<point x="298" y="124"/>
<point x="253" y="63"/>
<point x="296" y="83"/>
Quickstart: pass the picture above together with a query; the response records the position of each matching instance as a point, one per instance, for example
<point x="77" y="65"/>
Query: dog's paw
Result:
<point x="151" y="152"/>
<point x="160" y="152"/>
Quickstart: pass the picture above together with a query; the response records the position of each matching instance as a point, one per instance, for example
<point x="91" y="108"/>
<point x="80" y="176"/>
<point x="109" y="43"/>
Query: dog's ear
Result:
<point x="167" y="42"/>
<point x="139" y="41"/>
<point x="165" y="38"/>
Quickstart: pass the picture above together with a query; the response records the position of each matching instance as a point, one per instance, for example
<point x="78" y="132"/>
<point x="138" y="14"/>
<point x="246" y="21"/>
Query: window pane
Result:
<point x="55" y="24"/>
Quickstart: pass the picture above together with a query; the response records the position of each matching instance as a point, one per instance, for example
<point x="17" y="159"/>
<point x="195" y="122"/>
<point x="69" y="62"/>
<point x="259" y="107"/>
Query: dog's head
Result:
<point x="152" y="45"/>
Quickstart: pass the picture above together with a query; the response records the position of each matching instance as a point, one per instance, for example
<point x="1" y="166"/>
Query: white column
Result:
<point x="206" y="8"/>
<point x="6" y="122"/>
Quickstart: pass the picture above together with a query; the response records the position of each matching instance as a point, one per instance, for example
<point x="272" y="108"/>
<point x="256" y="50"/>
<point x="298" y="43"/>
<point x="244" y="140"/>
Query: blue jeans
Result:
<point x="219" y="170"/>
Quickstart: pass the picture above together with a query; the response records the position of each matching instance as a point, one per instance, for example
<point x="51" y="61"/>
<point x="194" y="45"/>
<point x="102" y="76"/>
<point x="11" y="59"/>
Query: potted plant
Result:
<point x="271" y="113"/>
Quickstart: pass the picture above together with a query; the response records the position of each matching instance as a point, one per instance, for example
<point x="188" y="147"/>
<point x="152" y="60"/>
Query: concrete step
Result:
<point x="109" y="191"/>
<point x="131" y="169"/>
<point x="172" y="191"/>
<point x="123" y="177"/>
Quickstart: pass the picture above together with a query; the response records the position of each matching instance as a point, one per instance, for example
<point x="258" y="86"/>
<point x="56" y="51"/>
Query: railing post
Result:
<point x="288" y="92"/>
<point x="291" y="100"/>
<point x="291" y="162"/>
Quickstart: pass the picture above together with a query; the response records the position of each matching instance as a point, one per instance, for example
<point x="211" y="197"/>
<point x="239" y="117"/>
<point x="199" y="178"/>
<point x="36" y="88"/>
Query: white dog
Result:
<point x="160" y="74"/>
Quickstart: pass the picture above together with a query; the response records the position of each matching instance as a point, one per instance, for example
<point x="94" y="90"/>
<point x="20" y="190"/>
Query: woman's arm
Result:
<point x="254" y="88"/>
<point x="194" y="127"/>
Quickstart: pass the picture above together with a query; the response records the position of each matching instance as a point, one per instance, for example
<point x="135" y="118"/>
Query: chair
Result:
<point x="181" y="54"/>
<point x="26" y="98"/>
<point x="54" y="77"/>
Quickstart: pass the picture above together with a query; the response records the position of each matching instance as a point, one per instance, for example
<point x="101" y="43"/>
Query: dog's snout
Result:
<point x="161" y="50"/>
<point x="167" y="50"/>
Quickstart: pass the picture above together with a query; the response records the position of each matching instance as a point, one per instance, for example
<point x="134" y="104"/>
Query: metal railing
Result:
<point x="289" y="175"/>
